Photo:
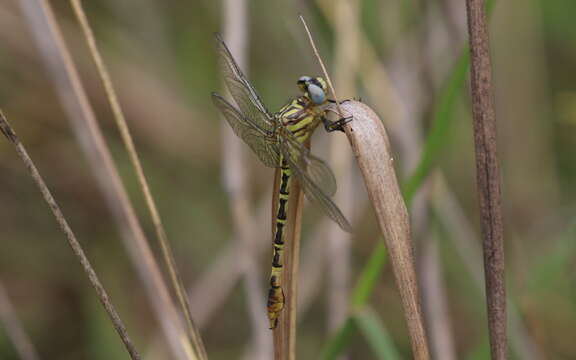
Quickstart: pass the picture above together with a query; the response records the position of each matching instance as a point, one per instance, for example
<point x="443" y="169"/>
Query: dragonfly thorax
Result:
<point x="300" y="116"/>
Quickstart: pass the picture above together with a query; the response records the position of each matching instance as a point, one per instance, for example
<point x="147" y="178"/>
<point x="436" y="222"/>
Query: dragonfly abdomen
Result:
<point x="276" y="298"/>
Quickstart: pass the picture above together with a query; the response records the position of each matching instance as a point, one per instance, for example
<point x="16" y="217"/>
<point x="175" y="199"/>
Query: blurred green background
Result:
<point x="162" y="59"/>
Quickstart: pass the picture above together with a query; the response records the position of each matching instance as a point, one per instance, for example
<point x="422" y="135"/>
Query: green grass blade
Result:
<point x="369" y="276"/>
<point x="339" y="341"/>
<point x="360" y="295"/>
<point x="375" y="333"/>
<point x="441" y="120"/>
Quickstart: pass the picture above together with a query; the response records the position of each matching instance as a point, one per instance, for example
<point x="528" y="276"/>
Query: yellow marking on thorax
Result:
<point x="300" y="117"/>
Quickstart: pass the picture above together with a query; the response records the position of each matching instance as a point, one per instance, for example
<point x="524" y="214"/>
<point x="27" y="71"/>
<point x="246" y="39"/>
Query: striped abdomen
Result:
<point x="276" y="294"/>
<point x="300" y="119"/>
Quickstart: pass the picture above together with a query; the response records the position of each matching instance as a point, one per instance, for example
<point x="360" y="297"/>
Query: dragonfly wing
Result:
<point x="316" y="169"/>
<point x="320" y="174"/>
<point x="260" y="141"/>
<point x="313" y="189"/>
<point x="242" y="91"/>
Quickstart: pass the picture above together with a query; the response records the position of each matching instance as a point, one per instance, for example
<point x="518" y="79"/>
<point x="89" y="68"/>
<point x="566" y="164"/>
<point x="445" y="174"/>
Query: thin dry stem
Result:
<point x="72" y="241"/>
<point x="162" y="238"/>
<point x="487" y="176"/>
<point x="317" y="54"/>
<point x="284" y="335"/>
<point x="73" y="97"/>
<point x="370" y="144"/>
<point x="14" y="329"/>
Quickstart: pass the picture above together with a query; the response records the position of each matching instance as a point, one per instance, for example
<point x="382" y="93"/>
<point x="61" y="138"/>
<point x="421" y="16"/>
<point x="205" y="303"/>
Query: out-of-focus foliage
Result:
<point x="164" y="67"/>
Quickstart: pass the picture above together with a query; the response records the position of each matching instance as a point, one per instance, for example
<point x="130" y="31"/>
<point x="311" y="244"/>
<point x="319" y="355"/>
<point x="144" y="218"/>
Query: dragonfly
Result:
<point x="278" y="141"/>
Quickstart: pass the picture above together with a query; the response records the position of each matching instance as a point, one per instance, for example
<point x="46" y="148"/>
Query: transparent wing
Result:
<point x="260" y="141"/>
<point x="242" y="91"/>
<point x="315" y="168"/>
<point x="316" y="178"/>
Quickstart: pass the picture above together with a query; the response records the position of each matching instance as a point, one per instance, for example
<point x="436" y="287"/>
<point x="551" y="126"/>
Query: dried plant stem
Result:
<point x="487" y="176"/>
<point x="60" y="66"/>
<point x="72" y="241"/>
<point x="14" y="329"/>
<point x="371" y="147"/>
<point x="321" y="64"/>
<point x="284" y="335"/>
<point x="120" y="120"/>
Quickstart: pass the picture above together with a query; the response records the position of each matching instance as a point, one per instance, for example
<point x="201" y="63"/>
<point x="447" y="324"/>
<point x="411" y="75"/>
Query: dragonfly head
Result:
<point x="313" y="87"/>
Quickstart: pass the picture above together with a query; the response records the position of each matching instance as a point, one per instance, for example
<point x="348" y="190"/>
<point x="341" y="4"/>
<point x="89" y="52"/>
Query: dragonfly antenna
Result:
<point x="321" y="64"/>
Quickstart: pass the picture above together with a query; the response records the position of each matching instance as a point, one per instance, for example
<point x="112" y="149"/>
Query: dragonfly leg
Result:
<point x="337" y="125"/>
<point x="330" y="126"/>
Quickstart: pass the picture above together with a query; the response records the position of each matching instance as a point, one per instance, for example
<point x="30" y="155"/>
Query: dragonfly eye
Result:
<point x="317" y="94"/>
<point x="303" y="81"/>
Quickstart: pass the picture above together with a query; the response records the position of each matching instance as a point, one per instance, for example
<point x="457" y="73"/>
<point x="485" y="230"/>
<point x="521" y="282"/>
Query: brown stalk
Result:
<point x="162" y="238"/>
<point x="317" y="54"/>
<point x="14" y="329"/>
<point x="72" y="241"/>
<point x="371" y="147"/>
<point x="284" y="335"/>
<point x="73" y="97"/>
<point x="487" y="176"/>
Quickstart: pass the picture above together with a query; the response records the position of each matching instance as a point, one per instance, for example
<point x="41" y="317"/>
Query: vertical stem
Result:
<point x="285" y="333"/>
<point x="292" y="264"/>
<point x="487" y="175"/>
